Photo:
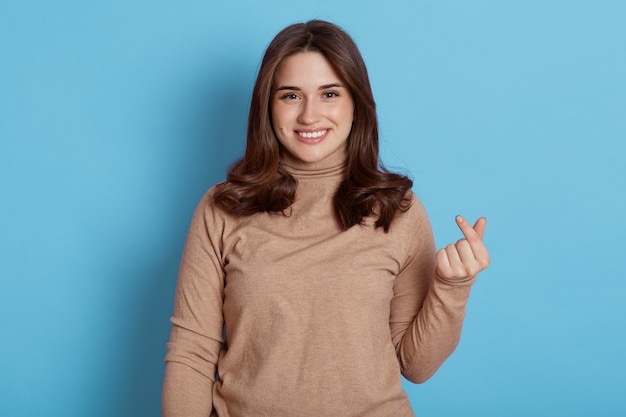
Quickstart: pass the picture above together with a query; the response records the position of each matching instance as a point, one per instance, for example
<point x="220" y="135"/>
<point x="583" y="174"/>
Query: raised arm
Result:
<point x="440" y="286"/>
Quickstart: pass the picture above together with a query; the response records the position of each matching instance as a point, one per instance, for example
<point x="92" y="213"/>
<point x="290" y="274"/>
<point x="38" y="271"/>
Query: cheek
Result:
<point x="274" y="113"/>
<point x="344" y="115"/>
<point x="280" y="116"/>
<point x="346" y="112"/>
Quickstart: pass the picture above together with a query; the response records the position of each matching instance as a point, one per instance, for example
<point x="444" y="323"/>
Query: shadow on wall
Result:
<point x="213" y="136"/>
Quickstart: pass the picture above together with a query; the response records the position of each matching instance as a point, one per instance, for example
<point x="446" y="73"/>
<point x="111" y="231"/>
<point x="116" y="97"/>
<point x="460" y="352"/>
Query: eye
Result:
<point x="331" y="94"/>
<point x="290" y="96"/>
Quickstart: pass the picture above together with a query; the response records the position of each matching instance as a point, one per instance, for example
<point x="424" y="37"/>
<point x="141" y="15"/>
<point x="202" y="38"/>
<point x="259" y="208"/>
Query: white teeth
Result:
<point x="311" y="135"/>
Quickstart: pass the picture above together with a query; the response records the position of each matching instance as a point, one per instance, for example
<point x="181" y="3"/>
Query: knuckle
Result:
<point x="465" y="244"/>
<point x="470" y="271"/>
<point x="461" y="272"/>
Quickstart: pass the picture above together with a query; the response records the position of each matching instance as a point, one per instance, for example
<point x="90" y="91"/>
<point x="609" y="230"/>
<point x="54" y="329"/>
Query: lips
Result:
<point x="312" y="135"/>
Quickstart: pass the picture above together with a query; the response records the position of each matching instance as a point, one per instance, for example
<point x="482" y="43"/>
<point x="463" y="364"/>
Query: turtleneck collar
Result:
<point x="334" y="165"/>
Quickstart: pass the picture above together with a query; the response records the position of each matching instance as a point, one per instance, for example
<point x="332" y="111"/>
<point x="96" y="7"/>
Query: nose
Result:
<point x="309" y="112"/>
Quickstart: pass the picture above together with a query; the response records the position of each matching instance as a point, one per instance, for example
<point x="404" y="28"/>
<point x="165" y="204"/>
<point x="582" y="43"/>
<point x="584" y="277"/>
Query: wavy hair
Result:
<point x="257" y="183"/>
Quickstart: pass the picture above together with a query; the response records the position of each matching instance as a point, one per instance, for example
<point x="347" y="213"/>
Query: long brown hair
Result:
<point x="257" y="183"/>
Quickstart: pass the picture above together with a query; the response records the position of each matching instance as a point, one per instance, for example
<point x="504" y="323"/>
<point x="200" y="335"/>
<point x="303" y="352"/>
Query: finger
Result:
<point x="472" y="233"/>
<point x="473" y="254"/>
<point x="443" y="263"/>
<point x="454" y="257"/>
<point x="474" y="237"/>
<point x="466" y="254"/>
<point x="467" y="230"/>
<point x="479" y="226"/>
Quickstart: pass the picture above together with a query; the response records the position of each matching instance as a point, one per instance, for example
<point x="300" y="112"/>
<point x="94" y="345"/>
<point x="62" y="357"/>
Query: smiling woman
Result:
<point x="312" y="111"/>
<point x="317" y="264"/>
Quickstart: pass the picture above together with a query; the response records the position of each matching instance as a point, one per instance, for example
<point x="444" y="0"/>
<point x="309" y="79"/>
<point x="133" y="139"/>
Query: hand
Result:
<point x="468" y="256"/>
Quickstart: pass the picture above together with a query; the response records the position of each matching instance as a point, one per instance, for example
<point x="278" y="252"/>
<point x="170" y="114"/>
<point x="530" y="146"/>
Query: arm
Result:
<point x="197" y="322"/>
<point x="186" y="392"/>
<point x="430" y="296"/>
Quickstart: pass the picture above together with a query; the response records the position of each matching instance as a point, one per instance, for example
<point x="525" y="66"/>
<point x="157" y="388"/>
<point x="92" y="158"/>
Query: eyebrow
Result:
<point x="323" y="87"/>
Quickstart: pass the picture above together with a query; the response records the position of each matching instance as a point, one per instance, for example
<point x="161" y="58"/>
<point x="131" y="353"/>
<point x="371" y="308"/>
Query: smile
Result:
<point x="312" y="135"/>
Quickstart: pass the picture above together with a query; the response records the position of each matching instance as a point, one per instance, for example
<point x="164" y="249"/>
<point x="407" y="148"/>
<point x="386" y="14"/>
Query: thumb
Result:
<point x="479" y="226"/>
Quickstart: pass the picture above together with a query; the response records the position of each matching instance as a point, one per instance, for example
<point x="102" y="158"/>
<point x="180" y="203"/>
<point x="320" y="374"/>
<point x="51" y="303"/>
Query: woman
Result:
<point x="309" y="281"/>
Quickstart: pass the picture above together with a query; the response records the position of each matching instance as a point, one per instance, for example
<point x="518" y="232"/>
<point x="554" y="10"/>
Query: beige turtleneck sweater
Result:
<point x="317" y="321"/>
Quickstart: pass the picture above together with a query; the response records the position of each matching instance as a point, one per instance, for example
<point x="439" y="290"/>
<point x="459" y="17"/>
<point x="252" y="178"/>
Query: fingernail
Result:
<point x="459" y="219"/>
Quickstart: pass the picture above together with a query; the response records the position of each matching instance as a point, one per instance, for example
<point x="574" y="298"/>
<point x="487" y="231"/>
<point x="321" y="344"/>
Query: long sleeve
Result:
<point x="307" y="309"/>
<point x="427" y="312"/>
<point x="197" y="323"/>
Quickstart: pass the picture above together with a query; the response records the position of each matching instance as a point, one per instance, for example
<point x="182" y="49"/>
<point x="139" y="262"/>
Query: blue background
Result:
<point x="116" y="116"/>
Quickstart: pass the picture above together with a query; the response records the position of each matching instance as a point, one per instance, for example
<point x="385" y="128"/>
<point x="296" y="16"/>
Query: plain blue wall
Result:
<point x="116" y="116"/>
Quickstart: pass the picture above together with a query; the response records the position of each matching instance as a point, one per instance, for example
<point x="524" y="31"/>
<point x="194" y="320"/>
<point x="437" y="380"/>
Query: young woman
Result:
<point x="309" y="281"/>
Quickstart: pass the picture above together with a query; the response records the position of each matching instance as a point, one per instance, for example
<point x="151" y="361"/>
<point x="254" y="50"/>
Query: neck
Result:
<point x="335" y="161"/>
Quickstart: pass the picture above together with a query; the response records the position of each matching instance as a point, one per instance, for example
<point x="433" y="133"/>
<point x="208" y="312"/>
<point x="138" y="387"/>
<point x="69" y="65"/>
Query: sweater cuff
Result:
<point x="469" y="281"/>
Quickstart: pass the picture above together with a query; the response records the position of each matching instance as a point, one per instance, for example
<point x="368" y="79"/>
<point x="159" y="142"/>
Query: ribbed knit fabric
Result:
<point x="318" y="321"/>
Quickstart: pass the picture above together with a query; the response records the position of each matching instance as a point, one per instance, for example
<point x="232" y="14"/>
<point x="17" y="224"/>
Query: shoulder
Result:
<point x="207" y="203"/>
<point x="412" y="227"/>
<point x="208" y="213"/>
<point x="415" y="214"/>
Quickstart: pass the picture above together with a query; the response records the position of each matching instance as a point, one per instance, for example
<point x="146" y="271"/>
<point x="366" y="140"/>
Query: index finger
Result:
<point x="472" y="233"/>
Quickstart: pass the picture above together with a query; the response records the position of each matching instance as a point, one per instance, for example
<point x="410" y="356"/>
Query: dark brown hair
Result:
<point x="257" y="183"/>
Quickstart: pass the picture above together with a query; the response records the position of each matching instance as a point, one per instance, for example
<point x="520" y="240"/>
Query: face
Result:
<point x="311" y="108"/>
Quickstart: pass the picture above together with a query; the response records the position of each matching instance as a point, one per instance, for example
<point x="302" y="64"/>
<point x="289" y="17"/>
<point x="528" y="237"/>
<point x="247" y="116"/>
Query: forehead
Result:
<point x="306" y="69"/>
